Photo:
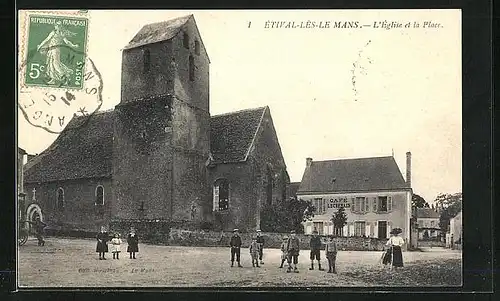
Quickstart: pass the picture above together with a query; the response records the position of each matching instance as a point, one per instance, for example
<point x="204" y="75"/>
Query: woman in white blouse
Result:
<point x="395" y="243"/>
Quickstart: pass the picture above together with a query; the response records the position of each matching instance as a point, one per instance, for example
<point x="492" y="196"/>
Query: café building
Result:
<point x="375" y="196"/>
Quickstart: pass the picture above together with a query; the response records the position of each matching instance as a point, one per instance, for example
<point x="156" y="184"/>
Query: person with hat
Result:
<point x="283" y="250"/>
<point x="260" y="241"/>
<point x="133" y="243"/>
<point x="395" y="243"/>
<point x="255" y="251"/>
<point x="331" y="254"/>
<point x="235" y="244"/>
<point x="315" y="244"/>
<point x="293" y="248"/>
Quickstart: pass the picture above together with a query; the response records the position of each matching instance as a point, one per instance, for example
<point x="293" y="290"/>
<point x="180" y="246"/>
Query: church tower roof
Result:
<point x="161" y="31"/>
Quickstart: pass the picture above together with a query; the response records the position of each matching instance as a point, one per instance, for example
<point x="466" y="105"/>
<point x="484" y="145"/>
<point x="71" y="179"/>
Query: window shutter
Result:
<point x="367" y="204"/>
<point x="216" y="198"/>
<point x="367" y="230"/>
<point x="389" y="204"/>
<point x="375" y="204"/>
<point x="389" y="225"/>
<point x="351" y="229"/>
<point x="324" y="205"/>
<point x="375" y="230"/>
<point x="353" y="204"/>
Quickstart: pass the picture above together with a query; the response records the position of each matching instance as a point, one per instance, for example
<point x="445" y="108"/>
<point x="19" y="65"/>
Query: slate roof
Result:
<point x="232" y="134"/>
<point x="160" y="31"/>
<point x="351" y="175"/>
<point x="427" y="213"/>
<point x="85" y="148"/>
<point x="82" y="150"/>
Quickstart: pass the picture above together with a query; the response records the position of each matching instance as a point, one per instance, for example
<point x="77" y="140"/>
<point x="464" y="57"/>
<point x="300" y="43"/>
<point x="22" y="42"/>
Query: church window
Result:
<point x="186" y="41"/>
<point x="191" y="68"/>
<point x="221" y="195"/>
<point x="197" y="47"/>
<point x="99" y="196"/>
<point x="60" y="198"/>
<point x="147" y="60"/>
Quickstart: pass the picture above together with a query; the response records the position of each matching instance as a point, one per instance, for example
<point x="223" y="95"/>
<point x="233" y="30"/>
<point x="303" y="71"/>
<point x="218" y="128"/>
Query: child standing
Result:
<point x="283" y="250"/>
<point x="133" y="243"/>
<point x="254" y="252"/>
<point x="115" y="246"/>
<point x="315" y="244"/>
<point x="331" y="254"/>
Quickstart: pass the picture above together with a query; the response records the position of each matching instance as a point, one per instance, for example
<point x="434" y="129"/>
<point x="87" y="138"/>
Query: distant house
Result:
<point x="373" y="192"/>
<point x="428" y="223"/>
<point x="456" y="227"/>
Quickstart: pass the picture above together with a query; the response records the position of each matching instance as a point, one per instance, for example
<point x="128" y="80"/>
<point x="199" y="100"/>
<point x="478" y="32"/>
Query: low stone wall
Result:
<point x="189" y="234"/>
<point x="430" y="244"/>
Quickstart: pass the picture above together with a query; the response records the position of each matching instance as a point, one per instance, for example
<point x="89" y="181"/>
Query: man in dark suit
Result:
<point x="235" y="247"/>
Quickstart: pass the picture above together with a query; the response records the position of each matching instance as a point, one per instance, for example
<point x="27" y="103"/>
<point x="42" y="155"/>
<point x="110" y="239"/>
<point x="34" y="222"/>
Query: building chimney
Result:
<point x="408" y="169"/>
<point x="309" y="162"/>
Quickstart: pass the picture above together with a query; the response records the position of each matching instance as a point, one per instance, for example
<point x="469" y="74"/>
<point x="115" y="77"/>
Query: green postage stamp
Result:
<point x="55" y="51"/>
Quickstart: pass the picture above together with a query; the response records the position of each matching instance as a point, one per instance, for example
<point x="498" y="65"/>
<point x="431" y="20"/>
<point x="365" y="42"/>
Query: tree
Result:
<point x="339" y="220"/>
<point x="450" y="205"/>
<point x="283" y="216"/>
<point x="418" y="201"/>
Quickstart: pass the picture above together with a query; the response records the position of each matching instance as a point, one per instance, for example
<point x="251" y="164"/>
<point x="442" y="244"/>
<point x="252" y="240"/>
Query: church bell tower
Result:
<point x="162" y="125"/>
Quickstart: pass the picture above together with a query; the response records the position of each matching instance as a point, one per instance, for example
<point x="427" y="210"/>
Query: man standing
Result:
<point x="260" y="241"/>
<point x="235" y="247"/>
<point x="293" y="248"/>
<point x="39" y="230"/>
<point x="315" y="245"/>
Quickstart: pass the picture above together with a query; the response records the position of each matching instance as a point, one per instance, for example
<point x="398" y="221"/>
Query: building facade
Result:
<point x="160" y="155"/>
<point x="372" y="192"/>
<point x="428" y="223"/>
<point x="456" y="228"/>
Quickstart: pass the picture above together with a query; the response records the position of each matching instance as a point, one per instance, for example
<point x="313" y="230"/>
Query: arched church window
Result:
<point x="99" y="196"/>
<point x="147" y="60"/>
<point x="197" y="47"/>
<point x="185" y="41"/>
<point x="221" y="195"/>
<point x="60" y="198"/>
<point x="191" y="68"/>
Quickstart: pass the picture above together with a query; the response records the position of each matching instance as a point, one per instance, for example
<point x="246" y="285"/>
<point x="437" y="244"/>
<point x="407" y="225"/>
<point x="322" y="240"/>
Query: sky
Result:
<point x="406" y="94"/>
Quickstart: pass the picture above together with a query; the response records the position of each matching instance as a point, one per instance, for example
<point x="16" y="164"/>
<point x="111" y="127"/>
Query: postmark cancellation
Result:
<point x="57" y="78"/>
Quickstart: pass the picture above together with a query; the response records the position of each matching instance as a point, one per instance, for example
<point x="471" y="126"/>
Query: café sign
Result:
<point x="339" y="203"/>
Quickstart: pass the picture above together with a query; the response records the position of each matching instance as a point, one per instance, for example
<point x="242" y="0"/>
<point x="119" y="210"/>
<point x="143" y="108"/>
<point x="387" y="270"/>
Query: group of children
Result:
<point x="290" y="248"/>
<point x="114" y="242"/>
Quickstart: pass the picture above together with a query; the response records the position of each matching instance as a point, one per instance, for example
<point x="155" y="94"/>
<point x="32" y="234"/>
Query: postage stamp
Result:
<point x="51" y="61"/>
<point x="57" y="78"/>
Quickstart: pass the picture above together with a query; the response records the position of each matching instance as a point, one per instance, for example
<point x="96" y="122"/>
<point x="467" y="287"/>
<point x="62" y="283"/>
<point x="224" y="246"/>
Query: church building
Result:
<point x="159" y="154"/>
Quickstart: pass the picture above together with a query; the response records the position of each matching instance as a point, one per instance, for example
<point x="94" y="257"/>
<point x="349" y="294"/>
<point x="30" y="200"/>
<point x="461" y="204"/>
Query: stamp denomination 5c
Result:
<point x="56" y="51"/>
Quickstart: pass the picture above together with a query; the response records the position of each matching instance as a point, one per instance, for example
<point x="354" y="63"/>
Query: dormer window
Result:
<point x="197" y="47"/>
<point x="186" y="41"/>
